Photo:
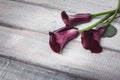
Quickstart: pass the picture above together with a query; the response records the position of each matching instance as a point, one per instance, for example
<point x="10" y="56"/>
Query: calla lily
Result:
<point x="91" y="39"/>
<point x="60" y="37"/>
<point x="74" y="20"/>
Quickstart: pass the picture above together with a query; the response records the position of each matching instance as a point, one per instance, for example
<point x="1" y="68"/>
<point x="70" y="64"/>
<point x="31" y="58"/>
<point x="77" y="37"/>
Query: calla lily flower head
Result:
<point x="91" y="39"/>
<point x="59" y="38"/>
<point x="77" y="19"/>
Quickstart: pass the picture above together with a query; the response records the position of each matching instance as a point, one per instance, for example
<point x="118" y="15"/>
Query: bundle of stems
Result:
<point x="109" y="16"/>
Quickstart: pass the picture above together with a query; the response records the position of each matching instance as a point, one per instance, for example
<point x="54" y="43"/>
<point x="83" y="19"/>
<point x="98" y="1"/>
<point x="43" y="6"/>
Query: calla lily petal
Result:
<point x="65" y="17"/>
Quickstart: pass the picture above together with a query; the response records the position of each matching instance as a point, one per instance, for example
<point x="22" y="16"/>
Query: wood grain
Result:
<point x="74" y="6"/>
<point x="14" y="70"/>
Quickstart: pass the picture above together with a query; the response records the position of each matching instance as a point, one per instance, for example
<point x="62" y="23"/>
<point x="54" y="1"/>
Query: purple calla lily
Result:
<point x="74" y="20"/>
<point x="91" y="39"/>
<point x="60" y="37"/>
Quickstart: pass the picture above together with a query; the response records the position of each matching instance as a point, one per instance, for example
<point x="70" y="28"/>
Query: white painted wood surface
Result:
<point x="75" y="6"/>
<point x="29" y="41"/>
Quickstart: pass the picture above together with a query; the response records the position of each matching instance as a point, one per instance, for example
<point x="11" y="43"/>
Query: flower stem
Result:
<point x="113" y="17"/>
<point x="103" y="13"/>
<point x="97" y="23"/>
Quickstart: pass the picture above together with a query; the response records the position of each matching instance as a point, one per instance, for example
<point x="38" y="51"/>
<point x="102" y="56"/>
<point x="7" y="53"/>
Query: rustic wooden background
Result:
<point x="24" y="50"/>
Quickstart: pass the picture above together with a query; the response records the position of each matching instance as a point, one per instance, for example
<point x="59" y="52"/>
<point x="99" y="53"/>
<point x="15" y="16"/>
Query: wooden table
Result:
<point x="24" y="39"/>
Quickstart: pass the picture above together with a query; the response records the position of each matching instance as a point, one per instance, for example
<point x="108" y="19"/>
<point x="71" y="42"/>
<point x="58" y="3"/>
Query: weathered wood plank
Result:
<point x="30" y="17"/>
<point x="35" y="18"/>
<point x="74" y="6"/>
<point x="34" y="48"/>
<point x="14" y="70"/>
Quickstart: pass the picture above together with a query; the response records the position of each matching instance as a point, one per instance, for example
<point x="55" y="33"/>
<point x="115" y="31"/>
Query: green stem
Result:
<point x="113" y="17"/>
<point x="103" y="13"/>
<point x="97" y="23"/>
